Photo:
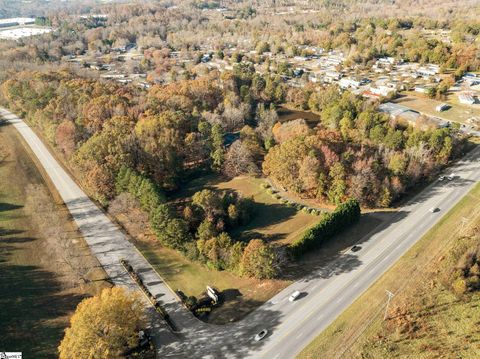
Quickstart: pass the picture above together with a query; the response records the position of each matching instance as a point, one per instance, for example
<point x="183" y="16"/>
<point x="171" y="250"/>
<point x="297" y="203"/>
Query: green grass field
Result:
<point x="36" y="299"/>
<point x="425" y="319"/>
<point x="242" y="295"/>
<point x="272" y="220"/>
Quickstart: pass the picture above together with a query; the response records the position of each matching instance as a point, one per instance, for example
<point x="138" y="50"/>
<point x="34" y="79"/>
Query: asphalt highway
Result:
<point x="292" y="325"/>
<point x="328" y="298"/>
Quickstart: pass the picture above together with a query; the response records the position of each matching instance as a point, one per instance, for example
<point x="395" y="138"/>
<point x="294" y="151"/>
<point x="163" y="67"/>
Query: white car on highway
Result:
<point x="294" y="296"/>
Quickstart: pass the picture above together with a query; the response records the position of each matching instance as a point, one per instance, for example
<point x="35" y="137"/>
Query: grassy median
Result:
<point x="425" y="318"/>
<point x="40" y="284"/>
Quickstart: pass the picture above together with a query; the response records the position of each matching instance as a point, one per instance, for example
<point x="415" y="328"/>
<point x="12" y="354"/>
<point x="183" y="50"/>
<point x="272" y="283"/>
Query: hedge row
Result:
<point x="331" y="224"/>
<point x="141" y="187"/>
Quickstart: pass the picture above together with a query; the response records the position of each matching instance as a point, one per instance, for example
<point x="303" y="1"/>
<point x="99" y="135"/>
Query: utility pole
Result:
<point x="390" y="296"/>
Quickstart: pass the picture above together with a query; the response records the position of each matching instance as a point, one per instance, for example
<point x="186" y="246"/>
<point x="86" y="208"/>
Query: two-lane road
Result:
<point x="329" y="291"/>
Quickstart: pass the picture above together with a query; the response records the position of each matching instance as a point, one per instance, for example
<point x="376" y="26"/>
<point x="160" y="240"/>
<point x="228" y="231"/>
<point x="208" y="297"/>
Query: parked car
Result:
<point x="294" y="296"/>
<point x="441" y="178"/>
<point x="261" y="335"/>
<point x="451" y="176"/>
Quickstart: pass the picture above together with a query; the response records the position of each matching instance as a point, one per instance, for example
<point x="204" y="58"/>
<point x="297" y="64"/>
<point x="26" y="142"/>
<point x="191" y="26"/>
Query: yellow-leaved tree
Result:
<point x="104" y="326"/>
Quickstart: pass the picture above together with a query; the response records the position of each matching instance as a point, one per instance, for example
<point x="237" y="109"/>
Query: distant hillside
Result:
<point x="430" y="8"/>
<point x="14" y="8"/>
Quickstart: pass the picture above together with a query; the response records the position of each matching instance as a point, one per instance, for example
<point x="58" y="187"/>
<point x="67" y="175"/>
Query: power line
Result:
<point x="390" y="296"/>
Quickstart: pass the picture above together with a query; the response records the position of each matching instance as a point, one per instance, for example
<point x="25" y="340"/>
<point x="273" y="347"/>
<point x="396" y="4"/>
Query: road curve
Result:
<point x="291" y="326"/>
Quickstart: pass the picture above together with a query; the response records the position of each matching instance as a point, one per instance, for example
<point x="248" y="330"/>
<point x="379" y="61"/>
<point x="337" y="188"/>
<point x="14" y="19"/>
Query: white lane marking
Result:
<point x="339" y="300"/>
<point x="299" y="335"/>
<point x="320" y="317"/>
<point x="386" y="257"/>
<point x="356" y="285"/>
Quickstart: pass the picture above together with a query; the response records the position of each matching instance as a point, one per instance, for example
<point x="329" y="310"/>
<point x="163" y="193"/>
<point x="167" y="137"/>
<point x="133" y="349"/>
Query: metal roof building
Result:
<point x="399" y="111"/>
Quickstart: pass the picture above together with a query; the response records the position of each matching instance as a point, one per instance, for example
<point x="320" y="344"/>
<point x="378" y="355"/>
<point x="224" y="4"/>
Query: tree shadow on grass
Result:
<point x="8" y="206"/>
<point x="9" y="232"/>
<point x="17" y="240"/>
<point x="264" y="216"/>
<point x="31" y="302"/>
<point x="204" y="180"/>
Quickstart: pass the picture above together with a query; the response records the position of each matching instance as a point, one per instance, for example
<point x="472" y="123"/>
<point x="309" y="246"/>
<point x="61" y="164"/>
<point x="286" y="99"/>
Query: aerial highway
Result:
<point x="291" y="325"/>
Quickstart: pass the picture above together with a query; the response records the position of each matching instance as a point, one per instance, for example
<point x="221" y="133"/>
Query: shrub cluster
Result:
<point x="466" y="275"/>
<point x="331" y="224"/>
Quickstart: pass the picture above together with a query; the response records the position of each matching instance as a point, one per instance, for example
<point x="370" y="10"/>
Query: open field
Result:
<point x="39" y="289"/>
<point x="242" y="295"/>
<point x="272" y="220"/>
<point x="456" y="113"/>
<point x="423" y="317"/>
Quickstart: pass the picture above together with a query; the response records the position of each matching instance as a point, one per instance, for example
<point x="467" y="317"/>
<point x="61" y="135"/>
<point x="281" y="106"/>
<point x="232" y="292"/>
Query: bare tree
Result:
<point x="239" y="160"/>
<point x="62" y="248"/>
<point x="234" y="116"/>
<point x="266" y="119"/>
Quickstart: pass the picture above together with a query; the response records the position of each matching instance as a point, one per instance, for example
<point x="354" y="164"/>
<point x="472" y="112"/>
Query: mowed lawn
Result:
<point x="36" y="301"/>
<point x="456" y="113"/>
<point x="425" y="319"/>
<point x="272" y="220"/>
<point x="242" y="295"/>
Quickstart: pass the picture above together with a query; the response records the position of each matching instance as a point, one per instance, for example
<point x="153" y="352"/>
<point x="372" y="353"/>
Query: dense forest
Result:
<point x="121" y="139"/>
<point x="158" y="29"/>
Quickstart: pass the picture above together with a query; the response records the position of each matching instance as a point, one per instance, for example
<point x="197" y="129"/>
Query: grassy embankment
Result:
<point x="425" y="319"/>
<point x="39" y="287"/>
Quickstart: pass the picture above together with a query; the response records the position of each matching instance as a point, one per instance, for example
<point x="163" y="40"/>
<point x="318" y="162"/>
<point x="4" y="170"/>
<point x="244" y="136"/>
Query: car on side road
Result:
<point x="356" y="248"/>
<point x="294" y="296"/>
<point x="261" y="335"/>
<point x="441" y="178"/>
